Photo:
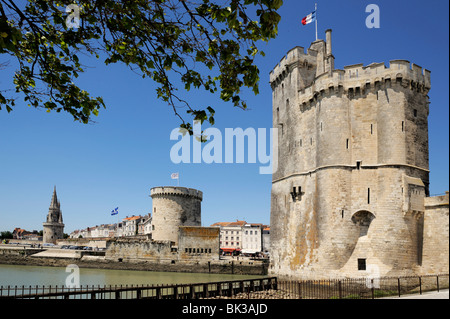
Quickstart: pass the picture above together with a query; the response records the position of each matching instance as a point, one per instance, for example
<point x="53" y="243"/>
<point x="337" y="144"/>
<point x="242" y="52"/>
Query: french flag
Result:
<point x="309" y="18"/>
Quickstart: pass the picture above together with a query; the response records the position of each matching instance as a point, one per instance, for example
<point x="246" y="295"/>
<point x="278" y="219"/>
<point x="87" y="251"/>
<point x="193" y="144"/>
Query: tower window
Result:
<point x="403" y="126"/>
<point x="371" y="128"/>
<point x="301" y="142"/>
<point x="368" y="196"/>
<point x="358" y="165"/>
<point x="348" y="142"/>
<point x="415" y="113"/>
<point x="362" y="264"/>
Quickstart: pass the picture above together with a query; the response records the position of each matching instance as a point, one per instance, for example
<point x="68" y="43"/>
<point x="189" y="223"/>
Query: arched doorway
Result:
<point x="363" y="218"/>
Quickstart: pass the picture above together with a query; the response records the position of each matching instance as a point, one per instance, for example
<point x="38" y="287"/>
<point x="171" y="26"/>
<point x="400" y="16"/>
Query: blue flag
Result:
<point x="115" y="211"/>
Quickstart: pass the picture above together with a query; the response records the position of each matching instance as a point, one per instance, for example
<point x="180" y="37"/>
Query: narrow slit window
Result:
<point x="371" y="128"/>
<point x="358" y="165"/>
<point x="415" y="113"/>
<point x="403" y="126"/>
<point x="348" y="142"/>
<point x="368" y="196"/>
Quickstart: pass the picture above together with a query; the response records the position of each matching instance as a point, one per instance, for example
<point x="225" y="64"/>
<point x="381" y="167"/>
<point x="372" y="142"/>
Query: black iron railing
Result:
<point x="262" y="288"/>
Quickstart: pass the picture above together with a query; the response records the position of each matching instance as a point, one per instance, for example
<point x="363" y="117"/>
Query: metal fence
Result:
<point x="262" y="288"/>
<point x="360" y="288"/>
<point x="223" y="289"/>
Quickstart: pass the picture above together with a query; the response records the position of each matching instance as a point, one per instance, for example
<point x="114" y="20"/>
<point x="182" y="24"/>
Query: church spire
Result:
<point x="54" y="203"/>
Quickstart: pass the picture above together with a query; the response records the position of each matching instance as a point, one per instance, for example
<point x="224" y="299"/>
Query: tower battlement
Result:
<point x="296" y="57"/>
<point x="358" y="79"/>
<point x="176" y="191"/>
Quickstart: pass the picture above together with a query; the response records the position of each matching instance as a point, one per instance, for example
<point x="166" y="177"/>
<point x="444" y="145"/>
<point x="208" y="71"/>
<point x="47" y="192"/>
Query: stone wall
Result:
<point x="199" y="243"/>
<point x="134" y="250"/>
<point x="436" y="235"/>
<point x="194" y="243"/>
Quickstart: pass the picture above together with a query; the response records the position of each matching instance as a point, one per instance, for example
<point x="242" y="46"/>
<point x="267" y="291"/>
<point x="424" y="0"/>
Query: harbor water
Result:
<point x="15" y="275"/>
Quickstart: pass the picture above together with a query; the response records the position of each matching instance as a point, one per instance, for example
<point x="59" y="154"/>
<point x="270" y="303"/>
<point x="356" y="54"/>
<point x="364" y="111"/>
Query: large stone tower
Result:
<point x="174" y="207"/>
<point x="348" y="195"/>
<point x="53" y="226"/>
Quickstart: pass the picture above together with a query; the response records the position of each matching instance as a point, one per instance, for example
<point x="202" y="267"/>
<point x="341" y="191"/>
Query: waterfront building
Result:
<point x="242" y="237"/>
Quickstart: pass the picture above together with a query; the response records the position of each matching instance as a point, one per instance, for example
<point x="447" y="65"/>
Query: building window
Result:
<point x="368" y="196"/>
<point x="415" y="113"/>
<point x="362" y="264"/>
<point x="348" y="143"/>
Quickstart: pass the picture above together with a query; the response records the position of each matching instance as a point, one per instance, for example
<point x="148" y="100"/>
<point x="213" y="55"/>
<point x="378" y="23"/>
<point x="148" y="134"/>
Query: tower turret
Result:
<point x="174" y="207"/>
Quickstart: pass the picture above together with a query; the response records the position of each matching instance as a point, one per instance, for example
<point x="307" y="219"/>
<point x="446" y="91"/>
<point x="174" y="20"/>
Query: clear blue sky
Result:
<point x="116" y="161"/>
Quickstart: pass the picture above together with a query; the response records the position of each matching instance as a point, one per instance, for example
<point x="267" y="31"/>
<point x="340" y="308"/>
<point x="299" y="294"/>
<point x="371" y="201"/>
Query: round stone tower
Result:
<point x="174" y="207"/>
<point x="53" y="226"/>
<point x="347" y="198"/>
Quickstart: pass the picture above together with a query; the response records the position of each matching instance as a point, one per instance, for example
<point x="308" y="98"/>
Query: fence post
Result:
<point x="399" y="287"/>
<point x="437" y="283"/>
<point x="205" y="291"/>
<point x="158" y="292"/>
<point x="340" y="289"/>
<point x="192" y="291"/>
<point x="300" y="290"/>
<point x="175" y="292"/>
<point x="420" y="284"/>
<point x="373" y="289"/>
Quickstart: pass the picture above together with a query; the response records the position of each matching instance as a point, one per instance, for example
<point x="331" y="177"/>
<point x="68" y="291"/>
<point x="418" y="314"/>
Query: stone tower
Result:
<point x="53" y="226"/>
<point x="174" y="207"/>
<point x="348" y="196"/>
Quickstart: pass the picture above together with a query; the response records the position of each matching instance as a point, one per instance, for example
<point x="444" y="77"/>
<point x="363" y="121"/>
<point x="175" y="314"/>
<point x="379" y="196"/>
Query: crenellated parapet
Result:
<point x="356" y="80"/>
<point x="294" y="58"/>
<point x="176" y="191"/>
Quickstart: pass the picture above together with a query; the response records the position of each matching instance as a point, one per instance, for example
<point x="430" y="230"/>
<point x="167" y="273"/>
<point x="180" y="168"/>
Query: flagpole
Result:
<point x="316" y="21"/>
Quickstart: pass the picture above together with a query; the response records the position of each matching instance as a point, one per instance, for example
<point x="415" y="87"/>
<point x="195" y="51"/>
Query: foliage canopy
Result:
<point x="205" y="44"/>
